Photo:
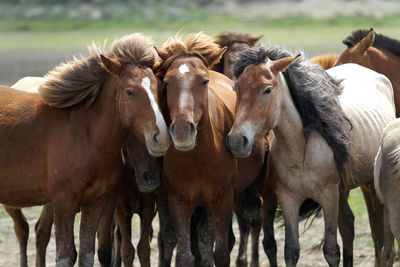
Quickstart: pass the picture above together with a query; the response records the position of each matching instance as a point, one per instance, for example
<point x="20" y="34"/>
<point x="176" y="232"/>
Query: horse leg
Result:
<point x="386" y="255"/>
<point x="255" y="240"/>
<point x="346" y="229"/>
<point x="244" y="228"/>
<point x="117" y="249"/>
<point x="330" y="206"/>
<point x="91" y="215"/>
<point x="181" y="213"/>
<point x="290" y="209"/>
<point x="375" y="213"/>
<point x="146" y="218"/>
<point x="269" y="242"/>
<point x="124" y="219"/>
<point x="205" y="238"/>
<point x="222" y="219"/>
<point x="104" y="235"/>
<point x="21" y="229"/>
<point x="64" y="216"/>
<point x="167" y="237"/>
<point x="43" y="234"/>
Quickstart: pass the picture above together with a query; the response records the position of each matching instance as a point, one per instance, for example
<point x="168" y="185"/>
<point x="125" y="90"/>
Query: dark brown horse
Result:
<point x="199" y="171"/>
<point x="234" y="42"/>
<point x="73" y="134"/>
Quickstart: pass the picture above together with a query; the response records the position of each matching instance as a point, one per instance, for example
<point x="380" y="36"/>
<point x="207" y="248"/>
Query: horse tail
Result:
<point x="309" y="210"/>
<point x="377" y="170"/>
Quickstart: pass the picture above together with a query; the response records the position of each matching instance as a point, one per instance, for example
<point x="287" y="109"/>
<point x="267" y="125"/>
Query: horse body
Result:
<point x="367" y="101"/>
<point x="77" y="162"/>
<point x="312" y="152"/>
<point x="386" y="180"/>
<point x="201" y="113"/>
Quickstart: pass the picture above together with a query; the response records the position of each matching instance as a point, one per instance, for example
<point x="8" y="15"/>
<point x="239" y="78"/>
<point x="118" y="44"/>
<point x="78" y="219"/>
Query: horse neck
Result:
<point x="289" y="129"/>
<point x="387" y="63"/>
<point x="103" y="121"/>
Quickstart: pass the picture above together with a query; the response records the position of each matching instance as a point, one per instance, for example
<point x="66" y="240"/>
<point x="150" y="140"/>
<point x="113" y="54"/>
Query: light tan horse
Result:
<point x="387" y="186"/>
<point x="319" y="129"/>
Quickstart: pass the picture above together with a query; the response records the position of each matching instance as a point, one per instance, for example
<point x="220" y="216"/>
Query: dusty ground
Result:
<point x="363" y="251"/>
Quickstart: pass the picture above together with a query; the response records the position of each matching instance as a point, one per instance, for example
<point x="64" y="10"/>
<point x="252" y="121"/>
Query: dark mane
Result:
<point x="315" y="95"/>
<point x="381" y="41"/>
<point x="80" y="80"/>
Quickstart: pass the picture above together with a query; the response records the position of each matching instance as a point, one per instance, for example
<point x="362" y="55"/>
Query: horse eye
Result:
<point x="166" y="84"/>
<point x="204" y="84"/>
<point x="267" y="91"/>
<point x="129" y="93"/>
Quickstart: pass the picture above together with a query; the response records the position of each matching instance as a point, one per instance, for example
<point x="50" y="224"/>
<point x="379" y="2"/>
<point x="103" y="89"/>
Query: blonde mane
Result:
<point x="199" y="45"/>
<point x="80" y="80"/>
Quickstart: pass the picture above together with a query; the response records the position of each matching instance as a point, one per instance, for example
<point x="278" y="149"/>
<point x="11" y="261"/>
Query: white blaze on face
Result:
<point x="183" y="68"/>
<point x="159" y="118"/>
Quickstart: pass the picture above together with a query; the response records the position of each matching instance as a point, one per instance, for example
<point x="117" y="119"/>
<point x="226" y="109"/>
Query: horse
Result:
<point x="201" y="110"/>
<point x="234" y="42"/>
<point x="377" y="52"/>
<point x="322" y="122"/>
<point x="71" y="161"/>
<point x="386" y="182"/>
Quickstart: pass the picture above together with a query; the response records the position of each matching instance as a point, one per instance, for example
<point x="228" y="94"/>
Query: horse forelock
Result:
<point x="380" y="41"/>
<point x="80" y="80"/>
<point x="315" y="95"/>
<point x="198" y="45"/>
<point x="229" y="38"/>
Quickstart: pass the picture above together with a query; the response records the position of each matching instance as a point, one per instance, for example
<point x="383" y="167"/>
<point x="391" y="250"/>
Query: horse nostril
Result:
<point x="227" y="140"/>
<point x="172" y="128"/>
<point x="245" y="141"/>
<point x="155" y="135"/>
<point x="192" y="129"/>
<point x="145" y="176"/>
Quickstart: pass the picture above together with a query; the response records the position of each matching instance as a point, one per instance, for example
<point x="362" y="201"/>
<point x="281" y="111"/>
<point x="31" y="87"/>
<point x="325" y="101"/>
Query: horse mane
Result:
<point x="315" y="95"/>
<point x="325" y="61"/>
<point x="229" y="38"/>
<point x="80" y="80"/>
<point x="199" y="45"/>
<point x="381" y="41"/>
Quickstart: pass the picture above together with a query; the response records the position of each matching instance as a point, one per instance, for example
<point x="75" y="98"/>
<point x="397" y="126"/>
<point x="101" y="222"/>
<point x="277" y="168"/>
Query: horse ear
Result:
<point x="112" y="66"/>
<point x="254" y="40"/>
<point x="366" y="42"/>
<point x="215" y="56"/>
<point x="282" y="64"/>
<point x="161" y="53"/>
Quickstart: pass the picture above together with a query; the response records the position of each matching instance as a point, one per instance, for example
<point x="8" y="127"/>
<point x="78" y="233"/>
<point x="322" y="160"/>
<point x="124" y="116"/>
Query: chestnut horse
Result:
<point x="199" y="171"/>
<point x="72" y="162"/>
<point x="234" y="43"/>
<point x="320" y="132"/>
<point x="376" y="52"/>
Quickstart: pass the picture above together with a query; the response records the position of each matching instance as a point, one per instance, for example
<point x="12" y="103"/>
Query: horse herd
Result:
<point x="251" y="126"/>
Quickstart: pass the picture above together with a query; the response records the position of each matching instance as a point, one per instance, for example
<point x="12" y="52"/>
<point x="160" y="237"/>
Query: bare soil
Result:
<point x="309" y="256"/>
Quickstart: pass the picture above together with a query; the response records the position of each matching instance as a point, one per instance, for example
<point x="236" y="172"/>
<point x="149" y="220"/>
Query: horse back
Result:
<point x="367" y="101"/>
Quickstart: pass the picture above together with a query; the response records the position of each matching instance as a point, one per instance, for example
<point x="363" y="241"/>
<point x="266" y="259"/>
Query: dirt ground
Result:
<point x="363" y="250"/>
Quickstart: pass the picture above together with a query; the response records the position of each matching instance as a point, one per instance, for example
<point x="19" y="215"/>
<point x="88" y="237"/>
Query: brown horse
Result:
<point x="201" y="110"/>
<point x="72" y="161"/>
<point x="376" y="52"/>
<point x="234" y="42"/>
<point x="325" y="61"/>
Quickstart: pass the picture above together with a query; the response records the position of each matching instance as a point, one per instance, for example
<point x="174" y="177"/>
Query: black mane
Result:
<point x="381" y="41"/>
<point x="315" y="95"/>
